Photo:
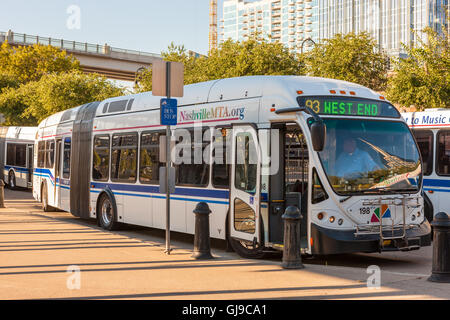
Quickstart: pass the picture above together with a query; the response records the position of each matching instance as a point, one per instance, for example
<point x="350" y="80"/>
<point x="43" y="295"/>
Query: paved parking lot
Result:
<point x="55" y="255"/>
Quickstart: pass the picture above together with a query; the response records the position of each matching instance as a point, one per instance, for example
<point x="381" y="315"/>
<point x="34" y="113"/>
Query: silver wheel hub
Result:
<point x="106" y="211"/>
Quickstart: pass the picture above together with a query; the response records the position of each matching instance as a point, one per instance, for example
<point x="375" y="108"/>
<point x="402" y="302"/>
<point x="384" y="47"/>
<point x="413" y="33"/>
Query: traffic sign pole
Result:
<point x="168" y="165"/>
<point x="168" y="80"/>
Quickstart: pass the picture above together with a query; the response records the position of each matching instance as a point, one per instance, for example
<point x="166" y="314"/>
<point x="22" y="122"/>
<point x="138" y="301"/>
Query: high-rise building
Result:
<point x="391" y="22"/>
<point x="286" y="21"/>
<point x="292" y="22"/>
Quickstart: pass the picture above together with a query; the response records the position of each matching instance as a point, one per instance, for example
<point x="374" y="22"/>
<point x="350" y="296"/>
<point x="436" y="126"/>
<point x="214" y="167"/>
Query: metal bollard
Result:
<point x="292" y="258"/>
<point x="441" y="248"/>
<point x="2" y="194"/>
<point x="202" y="244"/>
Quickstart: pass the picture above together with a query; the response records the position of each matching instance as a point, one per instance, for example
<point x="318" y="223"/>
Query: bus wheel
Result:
<point x="428" y="208"/>
<point x="44" y="199"/>
<point x="245" y="249"/>
<point x="106" y="213"/>
<point x="11" y="180"/>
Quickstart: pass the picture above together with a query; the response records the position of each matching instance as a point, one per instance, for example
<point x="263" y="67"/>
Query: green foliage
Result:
<point x="423" y="79"/>
<point x="34" y="101"/>
<point x="231" y="59"/>
<point x="8" y="81"/>
<point x="350" y="57"/>
<point x="30" y="63"/>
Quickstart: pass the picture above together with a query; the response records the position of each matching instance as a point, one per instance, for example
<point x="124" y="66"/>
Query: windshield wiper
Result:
<point x="345" y="199"/>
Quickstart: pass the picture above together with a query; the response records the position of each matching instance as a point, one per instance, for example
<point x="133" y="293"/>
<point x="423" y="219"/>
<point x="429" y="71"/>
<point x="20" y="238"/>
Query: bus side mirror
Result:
<point x="318" y="135"/>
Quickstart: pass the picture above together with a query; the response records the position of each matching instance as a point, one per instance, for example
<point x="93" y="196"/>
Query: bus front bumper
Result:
<point x="329" y="241"/>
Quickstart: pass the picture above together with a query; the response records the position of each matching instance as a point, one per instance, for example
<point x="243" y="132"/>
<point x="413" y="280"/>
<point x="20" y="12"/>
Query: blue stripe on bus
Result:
<point x="164" y="197"/>
<point x="436" y="190"/>
<point x="436" y="183"/>
<point x="222" y="194"/>
<point x="18" y="169"/>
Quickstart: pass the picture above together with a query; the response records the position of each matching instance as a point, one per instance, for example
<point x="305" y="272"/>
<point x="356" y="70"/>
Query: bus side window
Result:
<point x="124" y="157"/>
<point x="21" y="155"/>
<point x="66" y="158"/>
<point x="195" y="172"/>
<point x="100" y="163"/>
<point x="10" y="152"/>
<point x="41" y="154"/>
<point x="149" y="158"/>
<point x="425" y="142"/>
<point x="220" y="166"/>
<point x="246" y="163"/>
<point x="49" y="154"/>
<point x="443" y="154"/>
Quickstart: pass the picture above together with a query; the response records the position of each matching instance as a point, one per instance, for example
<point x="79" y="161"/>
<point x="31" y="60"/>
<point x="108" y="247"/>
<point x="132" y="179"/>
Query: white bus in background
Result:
<point x="431" y="129"/>
<point x="18" y="157"/>
<point x="101" y="161"/>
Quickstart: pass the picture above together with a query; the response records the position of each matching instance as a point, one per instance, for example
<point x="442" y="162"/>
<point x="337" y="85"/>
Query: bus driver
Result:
<point x="354" y="162"/>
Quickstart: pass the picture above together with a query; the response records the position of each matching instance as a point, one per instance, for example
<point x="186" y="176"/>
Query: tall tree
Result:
<point x="32" y="102"/>
<point x="30" y="63"/>
<point x="350" y="57"/>
<point x="423" y="79"/>
<point x="232" y="59"/>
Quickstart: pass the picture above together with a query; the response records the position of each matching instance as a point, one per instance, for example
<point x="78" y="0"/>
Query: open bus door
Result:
<point x="245" y="185"/>
<point x="57" y="195"/>
<point x="30" y="154"/>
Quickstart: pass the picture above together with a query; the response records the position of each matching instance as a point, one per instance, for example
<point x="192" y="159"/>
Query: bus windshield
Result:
<point x="369" y="157"/>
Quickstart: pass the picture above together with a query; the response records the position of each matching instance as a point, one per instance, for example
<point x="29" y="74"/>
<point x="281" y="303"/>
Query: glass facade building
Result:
<point x="390" y="22"/>
<point x="286" y="21"/>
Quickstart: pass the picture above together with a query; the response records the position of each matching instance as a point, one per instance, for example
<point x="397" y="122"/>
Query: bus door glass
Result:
<point x="288" y="186"/>
<point x="64" y="181"/>
<point x="245" y="184"/>
<point x="30" y="164"/>
<point x="296" y="159"/>
<point x="58" y="172"/>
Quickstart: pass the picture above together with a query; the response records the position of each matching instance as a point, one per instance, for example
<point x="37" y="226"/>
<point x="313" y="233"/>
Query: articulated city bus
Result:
<point x="338" y="151"/>
<point x="18" y="157"/>
<point x="432" y="131"/>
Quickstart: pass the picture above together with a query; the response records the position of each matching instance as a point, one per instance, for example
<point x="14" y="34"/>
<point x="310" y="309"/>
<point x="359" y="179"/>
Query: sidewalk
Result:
<point x="36" y="248"/>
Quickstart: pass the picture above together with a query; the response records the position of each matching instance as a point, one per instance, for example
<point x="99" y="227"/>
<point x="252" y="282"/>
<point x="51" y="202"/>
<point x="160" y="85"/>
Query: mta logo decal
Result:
<point x="385" y="213"/>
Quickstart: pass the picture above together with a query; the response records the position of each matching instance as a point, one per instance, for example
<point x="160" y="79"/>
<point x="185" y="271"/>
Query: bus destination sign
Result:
<point x="346" y="106"/>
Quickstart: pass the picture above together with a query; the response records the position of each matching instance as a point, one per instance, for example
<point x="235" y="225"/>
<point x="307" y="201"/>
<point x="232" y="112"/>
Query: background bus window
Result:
<point x="100" y="169"/>
<point x="124" y="157"/>
<point x="221" y="167"/>
<point x="66" y="159"/>
<point x="443" y="154"/>
<point x="149" y="158"/>
<point x="246" y="163"/>
<point x="193" y="174"/>
<point x="425" y="142"/>
<point x="49" y="153"/>
<point x="10" y="152"/>
<point x="41" y="154"/>
<point x="21" y="155"/>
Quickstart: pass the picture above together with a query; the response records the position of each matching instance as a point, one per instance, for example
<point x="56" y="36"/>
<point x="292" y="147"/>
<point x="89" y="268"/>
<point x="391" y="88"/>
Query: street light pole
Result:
<point x="307" y="39"/>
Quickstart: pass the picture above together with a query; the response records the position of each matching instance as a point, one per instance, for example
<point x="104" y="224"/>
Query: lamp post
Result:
<point x="136" y="76"/>
<point x="303" y="43"/>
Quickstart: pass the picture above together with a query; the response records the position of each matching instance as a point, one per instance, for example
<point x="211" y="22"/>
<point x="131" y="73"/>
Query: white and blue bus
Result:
<point x="431" y="129"/>
<point x="18" y="157"/>
<point x="338" y="151"/>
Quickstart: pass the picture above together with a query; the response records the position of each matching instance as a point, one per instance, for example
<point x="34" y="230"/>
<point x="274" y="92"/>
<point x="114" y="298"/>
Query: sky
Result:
<point x="144" y="25"/>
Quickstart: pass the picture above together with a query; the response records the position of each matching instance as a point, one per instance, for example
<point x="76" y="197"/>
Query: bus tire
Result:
<point x="44" y="198"/>
<point x="246" y="250"/>
<point x="428" y="208"/>
<point x="12" y="180"/>
<point x="107" y="213"/>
